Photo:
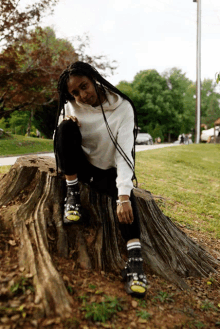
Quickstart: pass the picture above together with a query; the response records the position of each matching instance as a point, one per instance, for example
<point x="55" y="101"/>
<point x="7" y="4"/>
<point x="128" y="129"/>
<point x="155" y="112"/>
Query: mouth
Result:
<point x="89" y="100"/>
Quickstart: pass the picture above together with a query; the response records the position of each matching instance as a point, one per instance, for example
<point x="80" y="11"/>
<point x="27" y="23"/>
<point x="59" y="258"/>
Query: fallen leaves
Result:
<point x="12" y="242"/>
<point x="134" y="303"/>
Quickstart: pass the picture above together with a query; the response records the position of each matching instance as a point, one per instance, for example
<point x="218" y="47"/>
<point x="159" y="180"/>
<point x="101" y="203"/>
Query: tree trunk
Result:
<point x="37" y="192"/>
<point x="169" y="137"/>
<point x="30" y="123"/>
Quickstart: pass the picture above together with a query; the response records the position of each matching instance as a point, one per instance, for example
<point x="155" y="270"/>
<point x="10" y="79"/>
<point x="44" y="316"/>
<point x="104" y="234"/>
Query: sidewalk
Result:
<point x="8" y="161"/>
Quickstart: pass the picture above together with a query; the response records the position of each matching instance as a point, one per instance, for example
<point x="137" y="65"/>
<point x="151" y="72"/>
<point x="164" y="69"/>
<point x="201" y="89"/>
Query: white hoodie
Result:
<point x="96" y="143"/>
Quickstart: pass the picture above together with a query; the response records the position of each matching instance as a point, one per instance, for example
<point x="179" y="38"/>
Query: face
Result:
<point x="83" y="90"/>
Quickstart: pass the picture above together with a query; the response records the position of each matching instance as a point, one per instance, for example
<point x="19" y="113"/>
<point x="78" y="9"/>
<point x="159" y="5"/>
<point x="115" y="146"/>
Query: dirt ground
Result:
<point x="99" y="299"/>
<point x="164" y="305"/>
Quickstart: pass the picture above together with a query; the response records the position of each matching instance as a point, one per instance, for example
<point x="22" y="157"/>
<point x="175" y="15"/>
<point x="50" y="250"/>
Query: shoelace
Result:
<point x="73" y="198"/>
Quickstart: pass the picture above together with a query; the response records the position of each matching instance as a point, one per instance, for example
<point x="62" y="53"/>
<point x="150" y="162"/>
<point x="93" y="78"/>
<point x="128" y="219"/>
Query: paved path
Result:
<point x="152" y="147"/>
<point x="7" y="161"/>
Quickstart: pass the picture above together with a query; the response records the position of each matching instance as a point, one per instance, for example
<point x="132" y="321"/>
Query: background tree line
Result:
<point x="32" y="58"/>
<point x="166" y="102"/>
<point x="31" y="61"/>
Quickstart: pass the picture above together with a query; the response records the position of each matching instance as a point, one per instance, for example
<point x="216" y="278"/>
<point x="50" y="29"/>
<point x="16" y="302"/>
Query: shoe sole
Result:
<point x="70" y="217"/>
<point x="135" y="290"/>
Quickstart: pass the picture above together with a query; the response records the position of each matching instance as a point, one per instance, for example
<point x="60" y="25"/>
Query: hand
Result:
<point x="124" y="211"/>
<point x="74" y="119"/>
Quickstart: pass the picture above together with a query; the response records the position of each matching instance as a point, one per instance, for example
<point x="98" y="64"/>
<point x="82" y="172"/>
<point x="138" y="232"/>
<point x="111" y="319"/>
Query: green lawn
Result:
<point x="16" y="145"/>
<point x="188" y="177"/>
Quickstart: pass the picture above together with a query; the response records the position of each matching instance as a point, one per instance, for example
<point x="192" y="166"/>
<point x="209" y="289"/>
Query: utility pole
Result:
<point x="198" y="74"/>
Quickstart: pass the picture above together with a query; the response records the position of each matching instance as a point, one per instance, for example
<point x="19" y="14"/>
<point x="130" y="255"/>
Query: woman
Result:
<point x="94" y="143"/>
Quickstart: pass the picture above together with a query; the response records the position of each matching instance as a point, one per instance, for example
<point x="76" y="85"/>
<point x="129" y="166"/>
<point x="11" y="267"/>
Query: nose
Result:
<point x="83" y="95"/>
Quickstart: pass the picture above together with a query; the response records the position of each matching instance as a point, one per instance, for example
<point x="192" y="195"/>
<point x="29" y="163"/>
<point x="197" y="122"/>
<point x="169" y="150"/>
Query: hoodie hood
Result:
<point x="112" y="102"/>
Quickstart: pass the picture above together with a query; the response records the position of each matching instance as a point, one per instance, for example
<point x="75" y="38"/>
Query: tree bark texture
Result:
<point x="97" y="243"/>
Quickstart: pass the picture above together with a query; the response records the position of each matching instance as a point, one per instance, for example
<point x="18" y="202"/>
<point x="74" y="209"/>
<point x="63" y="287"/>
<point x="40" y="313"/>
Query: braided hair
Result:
<point x="84" y="69"/>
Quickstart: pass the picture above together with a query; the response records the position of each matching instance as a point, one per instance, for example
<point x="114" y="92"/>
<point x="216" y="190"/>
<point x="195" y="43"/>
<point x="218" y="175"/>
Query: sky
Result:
<point x="144" y="34"/>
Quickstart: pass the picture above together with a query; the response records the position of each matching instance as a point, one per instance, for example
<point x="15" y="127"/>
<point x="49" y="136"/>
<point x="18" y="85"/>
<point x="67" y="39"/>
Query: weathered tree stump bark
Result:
<point x="167" y="251"/>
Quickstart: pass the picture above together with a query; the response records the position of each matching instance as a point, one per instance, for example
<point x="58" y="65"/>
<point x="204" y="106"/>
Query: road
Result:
<point x="7" y="161"/>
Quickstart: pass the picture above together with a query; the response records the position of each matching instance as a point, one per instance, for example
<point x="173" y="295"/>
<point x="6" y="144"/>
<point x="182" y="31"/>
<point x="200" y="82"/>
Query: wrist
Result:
<point x="123" y="197"/>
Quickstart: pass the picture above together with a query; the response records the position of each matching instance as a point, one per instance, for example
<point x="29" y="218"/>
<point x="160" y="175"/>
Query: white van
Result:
<point x="209" y="133"/>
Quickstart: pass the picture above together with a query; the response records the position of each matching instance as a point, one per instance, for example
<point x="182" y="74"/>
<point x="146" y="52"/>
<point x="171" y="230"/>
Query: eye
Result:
<point x="84" y="86"/>
<point x="74" y="93"/>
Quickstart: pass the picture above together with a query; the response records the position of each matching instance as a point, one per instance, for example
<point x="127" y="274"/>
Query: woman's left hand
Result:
<point x="124" y="210"/>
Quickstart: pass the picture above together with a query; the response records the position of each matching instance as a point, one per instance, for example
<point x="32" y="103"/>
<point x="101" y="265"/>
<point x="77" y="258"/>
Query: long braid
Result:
<point x="84" y="69"/>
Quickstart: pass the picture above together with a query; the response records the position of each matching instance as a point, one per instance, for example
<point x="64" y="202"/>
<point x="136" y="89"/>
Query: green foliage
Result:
<point x="37" y="63"/>
<point x="103" y="311"/>
<point x="21" y="286"/>
<point x="141" y="302"/>
<point x="16" y="144"/>
<point x="83" y="298"/>
<point x="70" y="290"/>
<point x="207" y="305"/>
<point x="18" y="122"/>
<point x="3" y="124"/>
<point x="155" y="132"/>
<point x="92" y="286"/>
<point x="210" y="110"/>
<point x="164" y="297"/>
<point x="166" y="103"/>
<point x="199" y="325"/>
<point x="143" y="314"/>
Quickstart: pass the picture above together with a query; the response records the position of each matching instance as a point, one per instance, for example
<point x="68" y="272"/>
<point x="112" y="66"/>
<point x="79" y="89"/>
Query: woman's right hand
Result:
<point x="74" y="119"/>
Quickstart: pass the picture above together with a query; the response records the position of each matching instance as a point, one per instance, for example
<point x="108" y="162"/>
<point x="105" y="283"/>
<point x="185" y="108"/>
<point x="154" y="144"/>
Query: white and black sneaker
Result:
<point x="72" y="206"/>
<point x="133" y="275"/>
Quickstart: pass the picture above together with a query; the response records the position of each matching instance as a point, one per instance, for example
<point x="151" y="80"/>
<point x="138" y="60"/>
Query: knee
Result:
<point x="68" y="125"/>
<point x="70" y="130"/>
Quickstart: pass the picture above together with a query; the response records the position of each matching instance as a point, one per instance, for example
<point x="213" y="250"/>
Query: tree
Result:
<point x="32" y="184"/>
<point x="182" y="92"/>
<point x="165" y="103"/>
<point x="15" y="21"/>
<point x="154" y="102"/>
<point x="32" y="59"/>
<point x="189" y="105"/>
<point x="210" y="110"/>
<point x="18" y="122"/>
<point x="30" y="70"/>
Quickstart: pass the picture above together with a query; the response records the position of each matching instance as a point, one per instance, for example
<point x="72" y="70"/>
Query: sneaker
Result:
<point x="72" y="206"/>
<point x="134" y="277"/>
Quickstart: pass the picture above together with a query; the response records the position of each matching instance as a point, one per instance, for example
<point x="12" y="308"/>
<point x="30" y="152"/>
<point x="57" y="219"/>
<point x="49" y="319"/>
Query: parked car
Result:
<point x="144" y="139"/>
<point x="209" y="133"/>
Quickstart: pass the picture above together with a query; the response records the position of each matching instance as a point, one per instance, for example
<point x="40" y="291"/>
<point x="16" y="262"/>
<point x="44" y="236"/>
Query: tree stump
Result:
<point x="36" y="193"/>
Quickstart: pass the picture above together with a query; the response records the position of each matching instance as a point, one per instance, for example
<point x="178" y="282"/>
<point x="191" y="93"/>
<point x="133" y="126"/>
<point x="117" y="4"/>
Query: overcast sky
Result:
<point x="144" y="34"/>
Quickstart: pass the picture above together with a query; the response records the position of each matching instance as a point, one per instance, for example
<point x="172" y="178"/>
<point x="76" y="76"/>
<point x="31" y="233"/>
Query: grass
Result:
<point x="143" y="314"/>
<point x="164" y="297"/>
<point x="17" y="145"/>
<point x="103" y="311"/>
<point x="188" y="178"/>
<point x="21" y="286"/>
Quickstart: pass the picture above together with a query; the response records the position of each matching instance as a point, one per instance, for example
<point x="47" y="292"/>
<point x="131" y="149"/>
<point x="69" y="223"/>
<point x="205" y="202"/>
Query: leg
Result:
<point x="69" y="152"/>
<point x="133" y="274"/>
<point x="131" y="231"/>
<point x="71" y="161"/>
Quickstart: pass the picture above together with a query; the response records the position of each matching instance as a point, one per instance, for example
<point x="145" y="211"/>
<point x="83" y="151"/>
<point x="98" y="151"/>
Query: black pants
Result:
<point x="72" y="160"/>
